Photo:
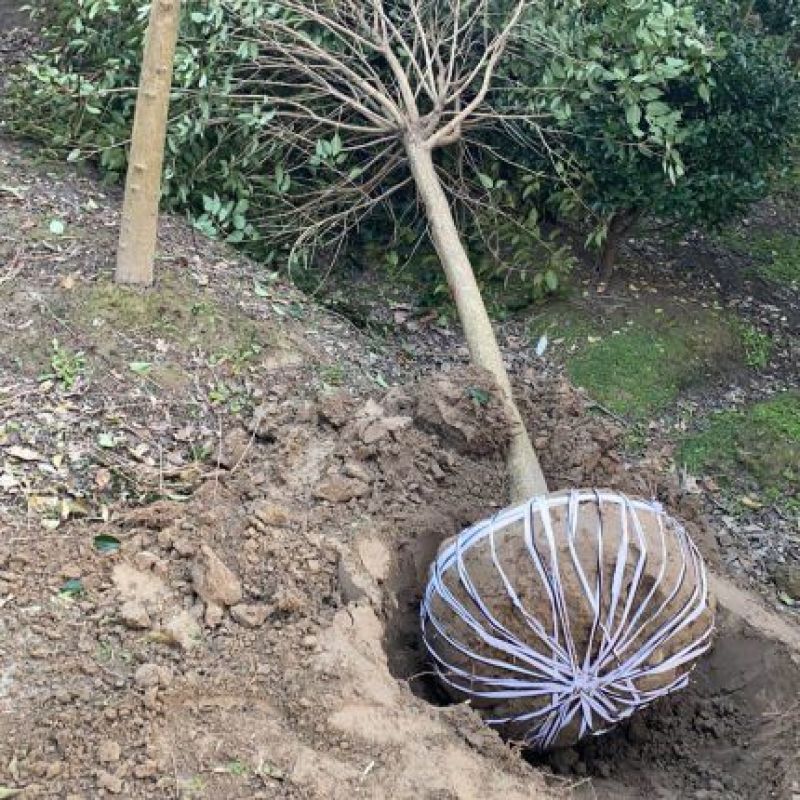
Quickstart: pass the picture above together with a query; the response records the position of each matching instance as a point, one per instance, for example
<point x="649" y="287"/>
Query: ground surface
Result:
<point x="218" y="502"/>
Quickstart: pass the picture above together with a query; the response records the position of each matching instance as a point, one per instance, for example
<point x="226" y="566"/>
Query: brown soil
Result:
<point x="254" y="632"/>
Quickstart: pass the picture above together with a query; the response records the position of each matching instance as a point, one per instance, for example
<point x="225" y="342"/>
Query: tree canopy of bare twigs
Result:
<point x="354" y="83"/>
<point x="361" y="94"/>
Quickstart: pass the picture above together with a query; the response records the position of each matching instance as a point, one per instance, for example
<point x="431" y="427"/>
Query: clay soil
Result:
<point x="216" y="522"/>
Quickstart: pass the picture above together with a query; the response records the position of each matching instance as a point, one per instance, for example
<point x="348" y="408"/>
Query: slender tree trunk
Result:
<point x="527" y="478"/>
<point x="139" y="227"/>
<point x="618" y="227"/>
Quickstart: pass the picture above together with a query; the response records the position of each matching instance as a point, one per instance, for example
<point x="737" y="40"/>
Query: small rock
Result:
<point x="272" y="514"/>
<point x="378" y="429"/>
<point x="213" y="615"/>
<point x="290" y="601"/>
<point x="165" y="538"/>
<point x="109" y="752"/>
<point x="152" y="675"/>
<point x="213" y="581"/>
<point x="148" y="769"/>
<point x="234" y="448"/>
<point x="71" y="571"/>
<point x="184" y="547"/>
<point x="251" y="616"/>
<point x="134" y="615"/>
<point x="111" y="783"/>
<point x="340" y="489"/>
<point x="145" y="560"/>
<point x="355" y="470"/>
<point x="183" y="630"/>
<point x="375" y="557"/>
<point x="336" y="409"/>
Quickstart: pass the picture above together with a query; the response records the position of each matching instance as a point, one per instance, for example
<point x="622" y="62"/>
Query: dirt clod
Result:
<point x="250" y="615"/>
<point x="341" y="489"/>
<point x="182" y="630"/>
<point x="213" y="581"/>
<point x="109" y="752"/>
<point x="234" y="448"/>
<point x="151" y="675"/>
<point x="134" y="615"/>
<point x="787" y="579"/>
<point x="467" y="413"/>
<point x="111" y="783"/>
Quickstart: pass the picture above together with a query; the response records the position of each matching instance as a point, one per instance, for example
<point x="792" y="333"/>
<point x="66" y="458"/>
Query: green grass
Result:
<point x="777" y="253"/>
<point x="757" y="447"/>
<point x="782" y="253"/>
<point x="637" y="366"/>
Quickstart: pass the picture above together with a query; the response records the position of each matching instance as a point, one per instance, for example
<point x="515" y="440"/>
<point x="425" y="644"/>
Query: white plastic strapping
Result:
<point x="597" y="687"/>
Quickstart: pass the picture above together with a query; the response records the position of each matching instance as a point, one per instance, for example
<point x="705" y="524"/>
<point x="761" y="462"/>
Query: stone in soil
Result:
<point x="213" y="581"/>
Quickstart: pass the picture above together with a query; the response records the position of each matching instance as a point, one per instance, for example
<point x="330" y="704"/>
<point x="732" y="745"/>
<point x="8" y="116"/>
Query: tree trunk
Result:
<point x="618" y="226"/>
<point x="527" y="478"/>
<point x="139" y="227"/>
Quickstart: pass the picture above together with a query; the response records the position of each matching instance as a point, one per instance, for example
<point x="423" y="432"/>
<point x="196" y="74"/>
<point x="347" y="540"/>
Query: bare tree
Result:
<point x="367" y="92"/>
<point x="139" y="226"/>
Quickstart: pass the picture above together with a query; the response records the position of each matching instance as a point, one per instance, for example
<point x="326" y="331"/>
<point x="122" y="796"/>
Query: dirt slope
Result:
<point x="217" y="507"/>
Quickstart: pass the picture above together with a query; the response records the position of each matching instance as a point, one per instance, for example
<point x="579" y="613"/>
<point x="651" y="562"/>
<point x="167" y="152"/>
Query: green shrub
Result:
<point x="222" y="166"/>
<point x="77" y="98"/>
<point x="697" y="106"/>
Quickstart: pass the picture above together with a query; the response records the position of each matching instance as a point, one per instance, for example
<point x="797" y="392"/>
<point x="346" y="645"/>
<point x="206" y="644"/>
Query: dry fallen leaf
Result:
<point x="23" y="453"/>
<point x="749" y="502"/>
<point x="102" y="479"/>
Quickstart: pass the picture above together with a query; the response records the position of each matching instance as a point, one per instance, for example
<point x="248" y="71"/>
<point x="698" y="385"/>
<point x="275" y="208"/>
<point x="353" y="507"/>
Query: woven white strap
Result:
<point x="598" y="686"/>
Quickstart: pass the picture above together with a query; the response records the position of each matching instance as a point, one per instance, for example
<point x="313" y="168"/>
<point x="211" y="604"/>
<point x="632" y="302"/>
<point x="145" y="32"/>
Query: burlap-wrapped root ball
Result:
<point x="562" y="616"/>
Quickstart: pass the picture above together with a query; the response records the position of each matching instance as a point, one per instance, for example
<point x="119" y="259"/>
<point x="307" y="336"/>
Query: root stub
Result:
<point x="562" y="616"/>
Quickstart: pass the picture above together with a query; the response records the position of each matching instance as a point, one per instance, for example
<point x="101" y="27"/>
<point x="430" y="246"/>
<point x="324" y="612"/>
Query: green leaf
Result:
<point x="551" y="280"/>
<point x="107" y="441"/>
<point x="106" y="543"/>
<point x="633" y="114"/>
<point x="56" y="227"/>
<point x="6" y="793"/>
<point x="140" y="367"/>
<point x="72" y="588"/>
<point x="478" y="395"/>
<point x="486" y="180"/>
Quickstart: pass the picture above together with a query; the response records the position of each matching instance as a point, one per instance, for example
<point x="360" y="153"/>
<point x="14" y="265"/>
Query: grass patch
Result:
<point x="777" y="254"/>
<point x="637" y="366"/>
<point x="183" y="316"/>
<point x="759" y="445"/>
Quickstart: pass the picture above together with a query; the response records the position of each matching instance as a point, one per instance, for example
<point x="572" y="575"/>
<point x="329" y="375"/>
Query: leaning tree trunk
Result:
<point x="527" y="478"/>
<point x="139" y="227"/>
